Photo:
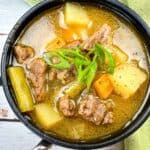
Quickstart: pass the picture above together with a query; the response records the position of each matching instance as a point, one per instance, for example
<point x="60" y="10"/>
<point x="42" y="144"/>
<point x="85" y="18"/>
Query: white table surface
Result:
<point x="13" y="134"/>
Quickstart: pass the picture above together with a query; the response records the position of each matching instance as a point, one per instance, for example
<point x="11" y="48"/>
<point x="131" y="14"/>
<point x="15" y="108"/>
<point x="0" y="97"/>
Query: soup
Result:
<point x="79" y="72"/>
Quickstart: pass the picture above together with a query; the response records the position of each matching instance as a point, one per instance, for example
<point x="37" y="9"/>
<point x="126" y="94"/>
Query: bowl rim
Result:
<point x="114" y="6"/>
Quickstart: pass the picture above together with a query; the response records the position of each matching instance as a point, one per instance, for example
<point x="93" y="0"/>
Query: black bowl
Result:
<point x="112" y="5"/>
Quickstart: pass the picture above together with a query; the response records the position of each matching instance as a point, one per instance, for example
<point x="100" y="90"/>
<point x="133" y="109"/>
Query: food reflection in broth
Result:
<point x="84" y="69"/>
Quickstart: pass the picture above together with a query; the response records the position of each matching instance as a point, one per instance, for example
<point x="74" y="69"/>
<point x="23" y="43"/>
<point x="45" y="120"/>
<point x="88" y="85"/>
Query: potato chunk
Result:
<point x="75" y="15"/>
<point x="46" y="115"/>
<point x="126" y="79"/>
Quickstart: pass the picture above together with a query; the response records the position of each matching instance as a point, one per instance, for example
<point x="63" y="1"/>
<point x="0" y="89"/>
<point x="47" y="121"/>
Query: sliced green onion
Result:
<point x="109" y="56"/>
<point x="91" y="74"/>
<point x="86" y="64"/>
<point x="63" y="64"/>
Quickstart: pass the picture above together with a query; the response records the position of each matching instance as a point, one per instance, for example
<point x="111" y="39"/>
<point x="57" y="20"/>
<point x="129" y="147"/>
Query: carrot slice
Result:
<point x="103" y="86"/>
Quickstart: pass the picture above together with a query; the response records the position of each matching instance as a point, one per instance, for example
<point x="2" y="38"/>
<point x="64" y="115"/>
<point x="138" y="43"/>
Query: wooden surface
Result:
<point x="13" y="134"/>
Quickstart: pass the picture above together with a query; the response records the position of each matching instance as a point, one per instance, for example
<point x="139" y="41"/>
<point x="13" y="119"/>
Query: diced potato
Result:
<point x="21" y="89"/>
<point x="46" y="115"/>
<point x="119" y="56"/>
<point x="75" y="15"/>
<point x="126" y="79"/>
<point x="103" y="86"/>
<point x="55" y="44"/>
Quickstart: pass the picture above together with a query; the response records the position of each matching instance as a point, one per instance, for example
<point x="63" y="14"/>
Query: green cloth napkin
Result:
<point x="32" y="2"/>
<point x="140" y="140"/>
<point x="142" y="7"/>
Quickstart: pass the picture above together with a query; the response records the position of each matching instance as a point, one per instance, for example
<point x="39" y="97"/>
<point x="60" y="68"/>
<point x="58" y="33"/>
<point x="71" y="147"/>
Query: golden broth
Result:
<point x="76" y="128"/>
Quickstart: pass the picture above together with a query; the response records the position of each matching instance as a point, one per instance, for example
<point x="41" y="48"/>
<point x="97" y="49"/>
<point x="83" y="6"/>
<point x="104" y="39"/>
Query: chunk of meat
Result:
<point x="23" y="52"/>
<point x="52" y="74"/>
<point x="62" y="75"/>
<point x="91" y="109"/>
<point x="65" y="76"/>
<point x="73" y="44"/>
<point x="67" y="106"/>
<point x="100" y="36"/>
<point x="108" y="119"/>
<point x="37" y="77"/>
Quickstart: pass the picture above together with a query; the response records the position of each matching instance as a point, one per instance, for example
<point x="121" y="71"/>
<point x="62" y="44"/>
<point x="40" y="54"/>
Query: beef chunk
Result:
<point x="62" y="75"/>
<point x="108" y="119"/>
<point x="65" y="76"/>
<point x="37" y="77"/>
<point x="100" y="36"/>
<point x="23" y="52"/>
<point x="91" y="109"/>
<point x="52" y="74"/>
<point x="67" y="106"/>
<point x="73" y="44"/>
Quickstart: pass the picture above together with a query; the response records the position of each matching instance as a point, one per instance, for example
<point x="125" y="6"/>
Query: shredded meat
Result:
<point x="91" y="109"/>
<point x="52" y="74"/>
<point x="100" y="36"/>
<point x="37" y="77"/>
<point x="65" y="76"/>
<point x="23" y="52"/>
<point x="73" y="44"/>
<point x="67" y="106"/>
<point x="108" y="119"/>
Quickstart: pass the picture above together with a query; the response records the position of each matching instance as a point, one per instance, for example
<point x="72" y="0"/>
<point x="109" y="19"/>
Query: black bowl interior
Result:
<point x="111" y="5"/>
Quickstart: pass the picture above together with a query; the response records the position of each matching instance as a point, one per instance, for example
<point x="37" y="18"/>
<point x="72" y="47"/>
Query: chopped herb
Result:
<point x="100" y="53"/>
<point x="86" y="64"/>
<point x="63" y="64"/>
<point x="91" y="74"/>
<point x="108" y="56"/>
